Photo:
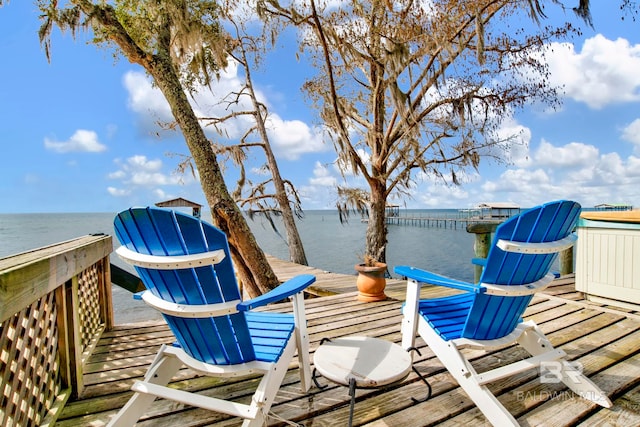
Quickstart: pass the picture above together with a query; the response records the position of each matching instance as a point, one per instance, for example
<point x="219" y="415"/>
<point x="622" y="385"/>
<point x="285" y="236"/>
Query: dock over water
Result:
<point x="485" y="213"/>
<point x="605" y="340"/>
<point x="452" y="222"/>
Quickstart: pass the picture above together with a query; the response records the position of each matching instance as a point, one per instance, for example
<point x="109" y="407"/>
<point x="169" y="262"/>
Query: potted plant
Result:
<point x="371" y="279"/>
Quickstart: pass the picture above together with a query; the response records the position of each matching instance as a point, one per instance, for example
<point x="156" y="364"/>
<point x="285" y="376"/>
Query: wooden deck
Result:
<point x="328" y="283"/>
<point x="605" y="340"/>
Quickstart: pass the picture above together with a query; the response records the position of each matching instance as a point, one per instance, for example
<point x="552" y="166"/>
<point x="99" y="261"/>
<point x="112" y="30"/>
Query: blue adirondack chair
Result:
<point x="186" y="266"/>
<point x="488" y="315"/>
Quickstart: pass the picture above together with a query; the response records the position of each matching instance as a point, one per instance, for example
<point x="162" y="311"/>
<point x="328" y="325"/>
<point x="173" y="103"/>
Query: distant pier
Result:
<point x="438" y="221"/>
<point x="485" y="213"/>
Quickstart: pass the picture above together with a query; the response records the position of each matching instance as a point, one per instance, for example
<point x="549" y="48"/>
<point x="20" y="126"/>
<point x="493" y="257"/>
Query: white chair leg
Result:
<point x="535" y="342"/>
<point x="409" y="326"/>
<point x="267" y="390"/>
<point x="464" y="373"/>
<point x="162" y="369"/>
<point x="302" y="341"/>
<point x="583" y="386"/>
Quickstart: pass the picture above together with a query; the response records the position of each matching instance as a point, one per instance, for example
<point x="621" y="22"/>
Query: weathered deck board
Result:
<point x="328" y="283"/>
<point x="605" y="340"/>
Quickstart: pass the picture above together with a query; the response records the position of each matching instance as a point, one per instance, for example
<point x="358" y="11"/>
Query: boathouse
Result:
<point x="613" y="207"/>
<point x="498" y="211"/>
<point x="392" y="210"/>
<point x="181" y="203"/>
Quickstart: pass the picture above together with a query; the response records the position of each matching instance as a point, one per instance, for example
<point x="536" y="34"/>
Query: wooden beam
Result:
<point x="126" y="280"/>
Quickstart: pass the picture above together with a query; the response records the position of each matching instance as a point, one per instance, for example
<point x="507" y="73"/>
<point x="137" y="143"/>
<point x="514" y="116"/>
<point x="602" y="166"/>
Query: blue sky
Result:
<point x="79" y="134"/>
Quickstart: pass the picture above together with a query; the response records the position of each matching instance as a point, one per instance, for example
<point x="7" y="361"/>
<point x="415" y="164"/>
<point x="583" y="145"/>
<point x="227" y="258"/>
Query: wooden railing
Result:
<point x="55" y="302"/>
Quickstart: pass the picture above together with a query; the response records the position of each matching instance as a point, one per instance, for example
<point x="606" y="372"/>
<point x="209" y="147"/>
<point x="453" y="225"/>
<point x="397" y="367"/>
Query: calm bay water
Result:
<point x="336" y="247"/>
<point x="329" y="245"/>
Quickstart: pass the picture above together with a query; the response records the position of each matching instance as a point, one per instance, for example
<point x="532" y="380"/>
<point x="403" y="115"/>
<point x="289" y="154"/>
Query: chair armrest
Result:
<point x="286" y="289"/>
<point x="479" y="261"/>
<point x="423" y="276"/>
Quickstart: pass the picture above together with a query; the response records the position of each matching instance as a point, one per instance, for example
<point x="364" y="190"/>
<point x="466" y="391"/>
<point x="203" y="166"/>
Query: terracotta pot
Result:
<point x="371" y="282"/>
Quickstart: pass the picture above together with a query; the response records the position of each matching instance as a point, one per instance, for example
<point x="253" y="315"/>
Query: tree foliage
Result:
<point x="418" y="87"/>
<point x="181" y="45"/>
<point x="274" y="195"/>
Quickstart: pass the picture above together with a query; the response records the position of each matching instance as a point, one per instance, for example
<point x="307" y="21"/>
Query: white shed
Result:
<point x="608" y="257"/>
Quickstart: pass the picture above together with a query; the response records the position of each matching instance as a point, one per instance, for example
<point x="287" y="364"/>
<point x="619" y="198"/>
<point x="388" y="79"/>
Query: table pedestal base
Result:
<point x="362" y="362"/>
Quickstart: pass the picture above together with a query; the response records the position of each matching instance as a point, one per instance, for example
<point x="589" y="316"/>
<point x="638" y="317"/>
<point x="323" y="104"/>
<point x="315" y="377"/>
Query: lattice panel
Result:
<point x="90" y="320"/>
<point x="29" y="364"/>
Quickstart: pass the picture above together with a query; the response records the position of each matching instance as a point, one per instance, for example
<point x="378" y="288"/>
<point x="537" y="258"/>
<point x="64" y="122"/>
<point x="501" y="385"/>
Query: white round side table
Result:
<point x="363" y="362"/>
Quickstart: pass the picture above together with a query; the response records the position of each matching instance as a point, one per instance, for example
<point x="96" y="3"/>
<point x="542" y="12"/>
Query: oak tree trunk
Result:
<point x="254" y="271"/>
<point x="376" y="239"/>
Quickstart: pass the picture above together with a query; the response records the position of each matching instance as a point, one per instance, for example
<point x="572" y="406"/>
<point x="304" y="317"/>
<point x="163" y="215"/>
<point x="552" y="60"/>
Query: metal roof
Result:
<point x="498" y="205"/>
<point x="178" y="202"/>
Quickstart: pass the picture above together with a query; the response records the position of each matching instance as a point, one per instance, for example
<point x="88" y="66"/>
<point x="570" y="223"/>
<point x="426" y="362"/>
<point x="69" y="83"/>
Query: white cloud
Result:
<point x="518" y="181"/>
<point x="293" y="138"/>
<point x="610" y="170"/>
<point x="261" y="171"/>
<point x="322" y="176"/>
<point x="631" y="133"/>
<point x="161" y="195"/>
<point x="81" y="141"/>
<point x="146" y="100"/>
<point x="142" y="181"/>
<point x="290" y="138"/>
<point x="120" y="174"/>
<point x="118" y="192"/>
<point x="604" y="72"/>
<point x="140" y="172"/>
<point x="342" y="167"/>
<point x="575" y="171"/>
<point x="633" y="166"/>
<point x="438" y="195"/>
<point x="320" y="193"/>
<point x="572" y="155"/>
<point x="140" y="162"/>
<point x="517" y="151"/>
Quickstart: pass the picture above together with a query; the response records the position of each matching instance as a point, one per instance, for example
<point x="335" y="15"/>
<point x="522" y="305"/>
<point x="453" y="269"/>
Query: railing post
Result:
<point x="483" y="231"/>
<point x="105" y="293"/>
<point x="74" y="351"/>
<point x="566" y="261"/>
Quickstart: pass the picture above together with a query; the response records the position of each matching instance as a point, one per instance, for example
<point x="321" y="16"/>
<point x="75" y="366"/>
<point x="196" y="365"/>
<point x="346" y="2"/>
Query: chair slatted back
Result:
<point x="494" y="316"/>
<point x="219" y="340"/>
